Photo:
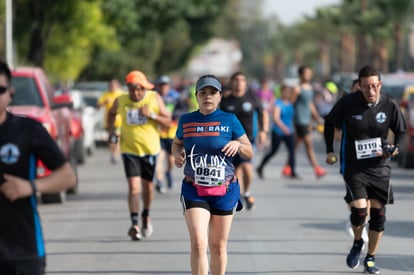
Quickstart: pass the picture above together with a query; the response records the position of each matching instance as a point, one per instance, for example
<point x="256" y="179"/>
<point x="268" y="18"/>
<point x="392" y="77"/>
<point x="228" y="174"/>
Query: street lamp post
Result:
<point x="9" y="33"/>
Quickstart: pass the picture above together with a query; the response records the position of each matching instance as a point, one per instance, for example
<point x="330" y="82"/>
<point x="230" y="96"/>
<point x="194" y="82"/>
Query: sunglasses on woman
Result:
<point x="3" y="89"/>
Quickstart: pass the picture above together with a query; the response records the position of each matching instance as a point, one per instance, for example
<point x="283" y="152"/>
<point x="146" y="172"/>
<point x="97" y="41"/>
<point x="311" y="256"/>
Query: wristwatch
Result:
<point x="153" y="115"/>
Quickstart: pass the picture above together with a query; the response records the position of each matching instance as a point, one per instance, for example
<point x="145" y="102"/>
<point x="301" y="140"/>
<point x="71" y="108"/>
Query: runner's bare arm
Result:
<point x="164" y="116"/>
<point x="178" y="152"/>
<point x="111" y="117"/>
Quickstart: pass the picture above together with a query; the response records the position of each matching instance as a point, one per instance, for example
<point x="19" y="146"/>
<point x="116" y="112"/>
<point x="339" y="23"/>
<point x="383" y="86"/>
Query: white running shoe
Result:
<point x="348" y="228"/>
<point x="365" y="234"/>
<point x="147" y="228"/>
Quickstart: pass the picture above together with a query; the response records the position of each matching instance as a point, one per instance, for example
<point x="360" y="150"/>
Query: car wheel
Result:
<point x="74" y="165"/>
<point x="80" y="151"/>
<point x="90" y="151"/>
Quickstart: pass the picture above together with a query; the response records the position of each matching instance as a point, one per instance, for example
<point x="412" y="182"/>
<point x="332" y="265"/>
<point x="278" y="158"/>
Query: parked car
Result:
<point x="395" y="84"/>
<point x="91" y="119"/>
<point x="407" y="96"/>
<point x="99" y="86"/>
<point x="100" y="134"/>
<point x="406" y="156"/>
<point x="79" y="147"/>
<point x="91" y="91"/>
<point x="77" y="126"/>
<point x="34" y="97"/>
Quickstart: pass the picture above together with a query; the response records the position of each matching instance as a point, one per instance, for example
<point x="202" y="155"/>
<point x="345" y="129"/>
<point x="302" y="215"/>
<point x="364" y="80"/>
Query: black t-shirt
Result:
<point x="248" y="110"/>
<point x="364" y="129"/>
<point x="22" y="142"/>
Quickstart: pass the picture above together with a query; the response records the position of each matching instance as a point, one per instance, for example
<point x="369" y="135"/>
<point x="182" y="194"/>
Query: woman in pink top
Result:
<point x="265" y="94"/>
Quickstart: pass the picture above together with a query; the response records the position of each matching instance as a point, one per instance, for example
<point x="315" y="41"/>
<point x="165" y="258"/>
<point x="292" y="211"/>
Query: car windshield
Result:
<point x="100" y="86"/>
<point x="90" y="100"/>
<point x="394" y="91"/>
<point x="25" y="92"/>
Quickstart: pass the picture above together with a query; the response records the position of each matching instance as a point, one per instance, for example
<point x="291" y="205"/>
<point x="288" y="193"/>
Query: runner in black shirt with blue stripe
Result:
<point x="22" y="142"/>
<point x="365" y="118"/>
<point x="248" y="109"/>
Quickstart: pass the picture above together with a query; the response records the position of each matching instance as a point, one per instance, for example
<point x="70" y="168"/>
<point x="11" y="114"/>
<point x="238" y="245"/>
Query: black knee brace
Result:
<point x="358" y="216"/>
<point x="377" y="219"/>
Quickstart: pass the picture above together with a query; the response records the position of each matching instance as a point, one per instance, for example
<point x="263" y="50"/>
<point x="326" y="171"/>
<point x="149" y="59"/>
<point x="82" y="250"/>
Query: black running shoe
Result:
<point x="259" y="172"/>
<point x="249" y="202"/>
<point x="352" y="260"/>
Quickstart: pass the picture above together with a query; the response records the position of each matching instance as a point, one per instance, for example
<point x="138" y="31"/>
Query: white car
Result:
<point x="100" y="135"/>
<point x="92" y="119"/>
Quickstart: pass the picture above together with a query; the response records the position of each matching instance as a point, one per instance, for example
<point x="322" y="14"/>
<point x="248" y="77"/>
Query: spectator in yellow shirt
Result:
<point x="106" y="100"/>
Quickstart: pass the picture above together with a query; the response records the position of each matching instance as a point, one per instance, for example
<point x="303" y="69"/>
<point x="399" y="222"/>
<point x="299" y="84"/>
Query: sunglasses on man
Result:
<point x="3" y="89"/>
<point x="132" y="87"/>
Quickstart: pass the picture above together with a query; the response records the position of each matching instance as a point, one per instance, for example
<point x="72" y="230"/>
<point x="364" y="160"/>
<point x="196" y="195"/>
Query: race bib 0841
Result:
<point x="209" y="176"/>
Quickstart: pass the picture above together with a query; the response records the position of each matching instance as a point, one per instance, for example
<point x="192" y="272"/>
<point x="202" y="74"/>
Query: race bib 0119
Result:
<point x="368" y="148"/>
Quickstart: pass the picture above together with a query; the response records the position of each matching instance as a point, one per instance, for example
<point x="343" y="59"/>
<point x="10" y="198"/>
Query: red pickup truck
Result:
<point x="34" y="98"/>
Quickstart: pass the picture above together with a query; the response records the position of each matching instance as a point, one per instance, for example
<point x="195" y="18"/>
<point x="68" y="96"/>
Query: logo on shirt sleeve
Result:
<point x="357" y="117"/>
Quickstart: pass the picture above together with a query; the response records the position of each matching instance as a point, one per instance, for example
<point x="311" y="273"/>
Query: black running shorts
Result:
<point x="136" y="166"/>
<point x="23" y="267"/>
<point x="302" y="130"/>
<point x="166" y="144"/>
<point x="368" y="184"/>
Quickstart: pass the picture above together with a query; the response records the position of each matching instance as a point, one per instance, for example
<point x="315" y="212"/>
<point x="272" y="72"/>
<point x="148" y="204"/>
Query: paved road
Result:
<point x="297" y="227"/>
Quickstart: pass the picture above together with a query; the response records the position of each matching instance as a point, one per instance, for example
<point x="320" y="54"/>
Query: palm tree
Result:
<point x="397" y="12"/>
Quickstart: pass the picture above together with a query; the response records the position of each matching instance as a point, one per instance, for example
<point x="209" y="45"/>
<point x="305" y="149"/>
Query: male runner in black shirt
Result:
<point x="22" y="142"/>
<point x="248" y="109"/>
<point x="365" y="117"/>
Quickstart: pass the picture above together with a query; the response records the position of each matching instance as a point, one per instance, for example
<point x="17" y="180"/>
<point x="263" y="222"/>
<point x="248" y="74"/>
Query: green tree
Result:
<point x="61" y="36"/>
<point x="397" y="13"/>
<point x="155" y="36"/>
<point x="2" y="28"/>
<point x="71" y="44"/>
<point x="243" y="21"/>
<point x="319" y="32"/>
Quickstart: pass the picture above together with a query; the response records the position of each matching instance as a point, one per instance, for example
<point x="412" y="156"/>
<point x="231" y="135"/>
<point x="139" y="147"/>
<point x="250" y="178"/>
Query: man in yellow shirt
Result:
<point x="106" y="101"/>
<point x="142" y="112"/>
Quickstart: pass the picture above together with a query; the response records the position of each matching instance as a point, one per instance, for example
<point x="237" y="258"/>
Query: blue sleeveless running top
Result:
<point x="302" y="111"/>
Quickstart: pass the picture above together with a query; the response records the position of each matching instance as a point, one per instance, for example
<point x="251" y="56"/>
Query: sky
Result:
<point x="289" y="11"/>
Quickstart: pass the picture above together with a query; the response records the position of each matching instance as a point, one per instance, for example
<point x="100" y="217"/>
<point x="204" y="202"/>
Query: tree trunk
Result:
<point x="383" y="55"/>
<point x="398" y="51"/>
<point x="279" y="66"/>
<point x="36" y="48"/>
<point x="347" y="53"/>
<point x="362" y="40"/>
<point x="42" y="16"/>
<point x="325" y="59"/>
